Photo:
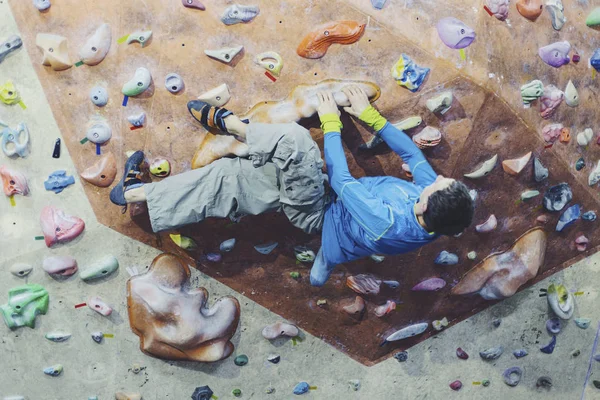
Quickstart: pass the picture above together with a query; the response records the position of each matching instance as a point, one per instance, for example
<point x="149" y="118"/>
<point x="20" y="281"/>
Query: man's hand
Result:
<point x="359" y="101"/>
<point x="327" y="104"/>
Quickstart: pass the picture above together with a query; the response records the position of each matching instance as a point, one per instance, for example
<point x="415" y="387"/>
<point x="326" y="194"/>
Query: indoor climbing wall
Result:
<point x="486" y="118"/>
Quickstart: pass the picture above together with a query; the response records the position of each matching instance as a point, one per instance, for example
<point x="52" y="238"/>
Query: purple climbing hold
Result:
<point x="520" y="353"/>
<point x="549" y="348"/>
<point x="556" y="54"/>
<point x="512" y="376"/>
<point x="553" y="326"/>
<point x="213" y="257"/>
<point x="429" y="285"/>
<point x="454" y="33"/>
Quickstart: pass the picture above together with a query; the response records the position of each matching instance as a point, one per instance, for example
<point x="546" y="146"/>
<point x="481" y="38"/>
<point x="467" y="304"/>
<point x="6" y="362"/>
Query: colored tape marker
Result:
<point x="23" y="106"/>
<point x="79" y="63"/>
<point x="312" y="388"/>
<point x="109" y="335"/>
<point x="80" y="305"/>
<point x="133" y="128"/>
<point x="84" y="140"/>
<point x="578" y="294"/>
<point x="98" y="149"/>
<point x="12" y="201"/>
<point x="125" y="100"/>
<point x="271" y="77"/>
<point x="39" y="238"/>
<point x="488" y="11"/>
<point x="122" y="39"/>
<point x="463" y="55"/>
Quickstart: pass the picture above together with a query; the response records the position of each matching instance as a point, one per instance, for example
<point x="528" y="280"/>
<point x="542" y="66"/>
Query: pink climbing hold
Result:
<point x="581" y="243"/>
<point x="193" y="4"/>
<point x="456" y="385"/>
<point x="60" y="265"/>
<point x="59" y="227"/>
<point x="429" y="285"/>
<point x="550" y="101"/>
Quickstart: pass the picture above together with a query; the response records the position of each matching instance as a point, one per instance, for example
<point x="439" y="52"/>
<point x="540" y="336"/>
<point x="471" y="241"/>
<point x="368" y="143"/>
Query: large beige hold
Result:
<point x="97" y="46"/>
<point x="103" y="172"/>
<point x="173" y="320"/>
<point x="54" y="47"/>
<point x="516" y="165"/>
<point x="302" y="102"/>
<point x="218" y="96"/>
<point x="500" y="275"/>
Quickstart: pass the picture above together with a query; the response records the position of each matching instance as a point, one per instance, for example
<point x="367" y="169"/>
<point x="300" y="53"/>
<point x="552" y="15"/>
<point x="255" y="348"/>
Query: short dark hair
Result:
<point x="449" y="211"/>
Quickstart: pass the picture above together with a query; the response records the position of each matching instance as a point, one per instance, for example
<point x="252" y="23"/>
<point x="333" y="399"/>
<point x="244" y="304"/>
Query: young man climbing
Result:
<point x="371" y="215"/>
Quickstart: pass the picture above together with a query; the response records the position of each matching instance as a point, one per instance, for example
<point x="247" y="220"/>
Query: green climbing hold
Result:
<point x="295" y="275"/>
<point x="236" y="392"/>
<point x="99" y="269"/>
<point x="24" y="304"/>
<point x="241" y="360"/>
<point x="486" y="382"/>
<point x="529" y="194"/>
<point x="594" y="18"/>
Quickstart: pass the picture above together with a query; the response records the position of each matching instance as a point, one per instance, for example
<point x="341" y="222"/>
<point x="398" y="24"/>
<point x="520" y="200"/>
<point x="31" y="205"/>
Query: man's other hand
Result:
<point x="327" y="104"/>
<point x="359" y="101"/>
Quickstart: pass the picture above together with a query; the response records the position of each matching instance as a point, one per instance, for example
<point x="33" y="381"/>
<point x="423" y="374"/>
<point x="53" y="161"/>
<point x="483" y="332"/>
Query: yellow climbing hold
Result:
<point x="184" y="242"/>
<point x="9" y="94"/>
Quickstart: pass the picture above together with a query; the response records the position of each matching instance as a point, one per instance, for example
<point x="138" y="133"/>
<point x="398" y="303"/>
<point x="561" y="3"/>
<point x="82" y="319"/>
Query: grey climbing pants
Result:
<point x="283" y="173"/>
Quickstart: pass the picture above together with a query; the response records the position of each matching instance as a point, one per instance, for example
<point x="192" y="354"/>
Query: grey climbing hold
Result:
<point x="21" y="269"/>
<point x="227" y="245"/>
<point x="174" y="83"/>
<point x="401" y="356"/>
<point x="540" y="172"/>
<point x="266" y="248"/>
<point x="520" y="353"/>
<point x="446" y="258"/>
<point x="544" y="382"/>
<point x="137" y="120"/>
<point x="97" y="337"/>
<point x="9" y="45"/>
<point x="54" y="370"/>
<point x="41" y="5"/>
<point x="202" y="393"/>
<point x="583" y="323"/>
<point x="237" y="13"/>
<point x="589" y="216"/>
<point x="512" y="376"/>
<point x="557" y="197"/>
<point x="492" y="354"/>
<point x="99" y="96"/>
<point x="496" y="322"/>
<point x="99" y="132"/>
<point x="354" y="384"/>
<point x="392" y="284"/>
<point x="57" y="337"/>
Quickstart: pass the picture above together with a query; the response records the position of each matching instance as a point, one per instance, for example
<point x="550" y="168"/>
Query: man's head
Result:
<point x="446" y="206"/>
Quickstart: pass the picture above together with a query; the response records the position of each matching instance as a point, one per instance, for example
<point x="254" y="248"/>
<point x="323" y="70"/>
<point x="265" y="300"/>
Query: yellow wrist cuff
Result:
<point x="372" y="118"/>
<point x="331" y="123"/>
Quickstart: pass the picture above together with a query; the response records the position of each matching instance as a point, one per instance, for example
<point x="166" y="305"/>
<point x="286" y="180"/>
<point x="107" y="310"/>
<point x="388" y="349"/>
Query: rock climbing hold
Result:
<point x="322" y="302"/>
<point x="42" y="5"/>
<point x="218" y="96"/>
<point x="266" y="248"/>
<point x="557" y="13"/>
<point x="241" y="360"/>
<point x="141" y="37"/>
<point x="304" y="254"/>
<point x="384" y="309"/>
<point x="295" y="275"/>
<point x="56" y="150"/>
<point x="512" y="376"/>
<point x="583" y="323"/>
<point x="301" y="388"/>
<point x="460" y="353"/>
<point x="103" y="172"/>
<point x="174" y="83"/>
<point x="532" y="91"/>
<point x="556" y="54"/>
<point x="355" y="308"/>
<point x="428" y="137"/>
<point x="236" y="392"/>
<point x="401" y="356"/>
<point x="13" y="182"/>
<point x="195" y="4"/>
<point x="446" y="258"/>
<point x="227" y="245"/>
<point x="100" y="269"/>
<point x="57" y="337"/>
<point x="138" y="84"/>
<point x="238" y="13"/>
<point x="24" y="304"/>
<point x="594" y="175"/>
<point x="540" y="172"/>
<point x="581" y="243"/>
<point x="489" y="225"/>
<point x="127" y="396"/>
<point x="571" y="95"/>
<point x="407" y="332"/>
<point x="584" y="138"/>
<point x="97" y="46"/>
<point x="593" y="18"/>
<point x="560" y="301"/>
<point x="529" y="194"/>
<point x="496" y="322"/>
<point x="364" y="284"/>
<point x="225" y="55"/>
<point x="544" y="382"/>
<point x="54" y="47"/>
<point x="576" y="353"/>
<point x="98" y="305"/>
<point x="429" y="285"/>
<point x="484" y="169"/>
<point x="486" y="382"/>
<point x="580" y="164"/>
<point x="530" y="9"/>
<point x="99" y="96"/>
<point x="595" y="60"/>
<point x="9" y="45"/>
<point x="565" y="135"/>
<point x="498" y="8"/>
<point x="270" y="390"/>
<point x="54" y="370"/>
<point x="270" y="61"/>
<point x="316" y="43"/>
<point x="184" y="242"/>
<point x="58" y="181"/>
<point x="59" y="227"/>
<point x="99" y="132"/>
<point x="97" y="337"/>
<point x="160" y="167"/>
<point x="456" y="385"/>
<point x="274" y="358"/>
<point x="213" y="257"/>
<point x="552" y="132"/>
<point x="9" y="96"/>
<point x="557" y="197"/>
<point x="472" y="255"/>
<point x="440" y="324"/>
<point x="454" y="33"/>
<point x="500" y="275"/>
<point x="441" y="103"/>
<point x="515" y="166"/>
<point x="354" y="384"/>
<point x="408" y="74"/>
<point x="570" y="215"/>
<point x="136" y="368"/>
<point x="279" y="329"/>
<point x="550" y="101"/>
<point x="378" y="4"/>
<point x="553" y="325"/>
<point x="492" y="353"/>
<point x="549" y="348"/>
<point x="520" y="353"/>
<point x="589" y="216"/>
<point x="137" y="120"/>
<point x="21" y="269"/>
<point x="60" y="265"/>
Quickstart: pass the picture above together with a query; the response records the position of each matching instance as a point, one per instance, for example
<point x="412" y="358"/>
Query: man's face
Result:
<point x="440" y="183"/>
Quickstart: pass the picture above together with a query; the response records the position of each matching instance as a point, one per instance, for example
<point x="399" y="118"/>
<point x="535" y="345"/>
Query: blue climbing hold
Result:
<point x="58" y="181"/>
<point x="589" y="216"/>
<point x="595" y="60"/>
<point x="520" y="353"/>
<point x="301" y="388"/>
<point x="571" y="215"/>
<point x="549" y="348"/>
<point x="446" y="258"/>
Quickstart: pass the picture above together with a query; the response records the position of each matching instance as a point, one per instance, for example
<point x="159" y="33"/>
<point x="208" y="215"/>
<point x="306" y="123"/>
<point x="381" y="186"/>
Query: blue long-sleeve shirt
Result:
<point x="374" y="215"/>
